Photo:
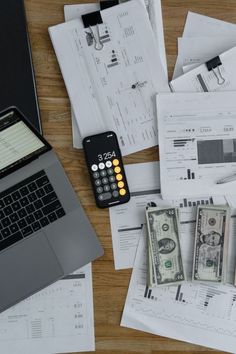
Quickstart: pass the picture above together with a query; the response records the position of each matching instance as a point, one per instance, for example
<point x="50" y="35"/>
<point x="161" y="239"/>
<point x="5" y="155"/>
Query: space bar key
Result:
<point x="51" y="207"/>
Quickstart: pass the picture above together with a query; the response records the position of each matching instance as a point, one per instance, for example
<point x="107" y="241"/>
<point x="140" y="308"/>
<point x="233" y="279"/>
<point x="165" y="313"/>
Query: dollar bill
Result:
<point x="211" y="244"/>
<point x="164" y="244"/>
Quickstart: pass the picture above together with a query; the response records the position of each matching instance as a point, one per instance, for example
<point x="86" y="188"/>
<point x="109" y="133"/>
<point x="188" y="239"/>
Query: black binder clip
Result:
<point x="214" y="65"/>
<point x="89" y="20"/>
<point x="105" y="4"/>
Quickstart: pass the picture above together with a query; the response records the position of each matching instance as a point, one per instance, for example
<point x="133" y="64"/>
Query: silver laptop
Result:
<point x="44" y="232"/>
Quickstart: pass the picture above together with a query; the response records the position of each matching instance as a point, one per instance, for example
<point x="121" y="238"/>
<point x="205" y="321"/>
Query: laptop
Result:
<point x="16" y="70"/>
<point x="44" y="232"/>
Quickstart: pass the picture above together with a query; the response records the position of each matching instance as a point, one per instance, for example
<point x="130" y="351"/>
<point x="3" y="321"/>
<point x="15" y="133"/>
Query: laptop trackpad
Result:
<point x="26" y="268"/>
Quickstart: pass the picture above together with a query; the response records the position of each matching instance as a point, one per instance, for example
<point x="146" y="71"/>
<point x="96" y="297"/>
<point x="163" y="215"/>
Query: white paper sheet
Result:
<point x="197" y="143"/>
<point x="128" y="220"/>
<point x="57" y="319"/>
<point x="155" y="15"/>
<point x="200" y="79"/>
<point x="104" y="94"/>
<point x="197" y="313"/>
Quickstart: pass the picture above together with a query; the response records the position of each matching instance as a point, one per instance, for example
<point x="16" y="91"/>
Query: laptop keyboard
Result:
<point x="26" y="208"/>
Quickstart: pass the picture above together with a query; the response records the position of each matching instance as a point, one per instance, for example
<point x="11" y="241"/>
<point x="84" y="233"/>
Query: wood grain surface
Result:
<point x="110" y="286"/>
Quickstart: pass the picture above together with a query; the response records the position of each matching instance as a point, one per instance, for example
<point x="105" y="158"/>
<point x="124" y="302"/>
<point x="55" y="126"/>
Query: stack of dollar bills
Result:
<point x="165" y="264"/>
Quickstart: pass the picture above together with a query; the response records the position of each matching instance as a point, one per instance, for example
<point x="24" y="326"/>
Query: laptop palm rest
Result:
<point x="26" y="268"/>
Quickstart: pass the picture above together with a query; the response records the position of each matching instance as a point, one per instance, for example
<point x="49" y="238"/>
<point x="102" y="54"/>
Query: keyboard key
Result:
<point x="6" y="222"/>
<point x="38" y="214"/>
<point x="5" y="232"/>
<point x="14" y="228"/>
<point x="2" y="205"/>
<point x="14" y="217"/>
<point x="60" y="213"/>
<point x="36" y="226"/>
<point x="2" y="214"/>
<point x="52" y="217"/>
<point x="22" y="223"/>
<point x="24" y="201"/>
<point x="30" y="208"/>
<point x="27" y="231"/>
<point x="8" y="210"/>
<point x="40" y="193"/>
<point x="32" y="197"/>
<point x="32" y="187"/>
<point x="24" y="191"/>
<point x="48" y="188"/>
<point x="1" y="227"/>
<point x="44" y="221"/>
<point x="16" y="195"/>
<point x="38" y="204"/>
<point x="49" y="198"/>
<point x="30" y="219"/>
<point x="42" y="181"/>
<point x="48" y="209"/>
<point x="22" y="213"/>
<point x="16" y="206"/>
<point x="10" y="240"/>
<point x="8" y="200"/>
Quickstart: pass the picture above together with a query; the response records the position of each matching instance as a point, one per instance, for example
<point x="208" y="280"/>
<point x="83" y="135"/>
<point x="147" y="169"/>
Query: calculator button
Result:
<point x="101" y="165"/>
<point x="121" y="184"/>
<point x="99" y="189"/>
<point x="104" y="196"/>
<point x="122" y="191"/>
<point x="117" y="169"/>
<point x="113" y="186"/>
<point x="119" y="177"/>
<point x="98" y="182"/>
<point x="94" y="168"/>
<point x="108" y="164"/>
<point x="115" y="162"/>
<point x="115" y="194"/>
<point x="103" y="173"/>
<point x="110" y="171"/>
<point x="105" y="180"/>
<point x="95" y="174"/>
<point x="112" y="179"/>
<point x="106" y="188"/>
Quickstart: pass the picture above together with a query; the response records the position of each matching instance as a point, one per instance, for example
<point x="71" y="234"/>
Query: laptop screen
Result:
<point x="19" y="142"/>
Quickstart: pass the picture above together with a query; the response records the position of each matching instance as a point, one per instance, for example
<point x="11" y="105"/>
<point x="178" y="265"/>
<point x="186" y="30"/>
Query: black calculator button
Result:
<point x="94" y="168"/>
<point x="112" y="179"/>
<point x="99" y="189"/>
<point x="98" y="182"/>
<point x="110" y="171"/>
<point x="95" y="174"/>
<point x="115" y="194"/>
<point x="106" y="188"/>
<point x="113" y="186"/>
<point x="108" y="164"/>
<point x="104" y="196"/>
<point x="105" y="180"/>
<point x="103" y="173"/>
<point x="101" y="166"/>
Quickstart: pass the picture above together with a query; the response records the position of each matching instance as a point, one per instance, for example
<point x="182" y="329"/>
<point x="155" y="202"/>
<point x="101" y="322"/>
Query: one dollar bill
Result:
<point x="211" y="244"/>
<point x="164" y="246"/>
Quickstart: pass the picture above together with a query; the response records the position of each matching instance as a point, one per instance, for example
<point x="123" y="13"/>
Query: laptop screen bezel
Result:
<point x="24" y="161"/>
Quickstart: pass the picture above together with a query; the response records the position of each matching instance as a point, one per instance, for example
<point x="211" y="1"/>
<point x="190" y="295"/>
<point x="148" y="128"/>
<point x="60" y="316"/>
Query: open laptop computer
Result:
<point x="44" y="232"/>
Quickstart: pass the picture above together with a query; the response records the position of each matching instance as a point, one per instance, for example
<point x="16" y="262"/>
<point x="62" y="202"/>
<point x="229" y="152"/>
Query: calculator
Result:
<point x="106" y="169"/>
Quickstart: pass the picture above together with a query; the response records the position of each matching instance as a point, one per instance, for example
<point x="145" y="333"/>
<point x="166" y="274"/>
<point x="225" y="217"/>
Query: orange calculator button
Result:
<point x="122" y="191"/>
<point x="121" y="184"/>
<point x="119" y="177"/>
<point x="117" y="169"/>
<point x="115" y="162"/>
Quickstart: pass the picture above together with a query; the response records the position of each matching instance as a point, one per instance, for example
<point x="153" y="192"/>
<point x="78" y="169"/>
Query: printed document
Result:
<point x="57" y="319"/>
<point x="197" y="313"/>
<point x="197" y="143"/>
<point x="128" y="221"/>
<point x="155" y="16"/>
<point x="113" y="88"/>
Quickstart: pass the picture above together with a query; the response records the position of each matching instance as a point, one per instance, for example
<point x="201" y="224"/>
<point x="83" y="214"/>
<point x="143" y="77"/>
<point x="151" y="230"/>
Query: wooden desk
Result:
<point x="110" y="286"/>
